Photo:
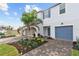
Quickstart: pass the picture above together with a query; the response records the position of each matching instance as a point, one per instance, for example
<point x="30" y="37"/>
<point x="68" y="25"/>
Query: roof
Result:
<point x="51" y="7"/>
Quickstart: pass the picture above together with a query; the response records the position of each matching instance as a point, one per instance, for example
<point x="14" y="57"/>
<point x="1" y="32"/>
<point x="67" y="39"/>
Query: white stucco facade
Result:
<point x="70" y="17"/>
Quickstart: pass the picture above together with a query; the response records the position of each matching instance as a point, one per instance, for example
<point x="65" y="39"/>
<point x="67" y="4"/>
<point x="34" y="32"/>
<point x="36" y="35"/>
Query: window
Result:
<point x="62" y="8"/>
<point x="46" y="14"/>
<point x="48" y="31"/>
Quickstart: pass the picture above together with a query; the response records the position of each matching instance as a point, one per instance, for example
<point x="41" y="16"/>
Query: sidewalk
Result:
<point x="10" y="39"/>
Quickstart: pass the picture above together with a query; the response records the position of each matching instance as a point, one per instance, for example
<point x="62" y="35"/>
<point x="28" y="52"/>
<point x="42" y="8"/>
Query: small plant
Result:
<point x="34" y="44"/>
<point x="39" y="40"/>
<point x="23" y="42"/>
<point x="2" y="33"/>
<point x="29" y="43"/>
<point x="77" y="45"/>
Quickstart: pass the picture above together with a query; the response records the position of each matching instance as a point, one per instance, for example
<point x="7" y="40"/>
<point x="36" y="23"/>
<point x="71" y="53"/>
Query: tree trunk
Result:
<point x="28" y="33"/>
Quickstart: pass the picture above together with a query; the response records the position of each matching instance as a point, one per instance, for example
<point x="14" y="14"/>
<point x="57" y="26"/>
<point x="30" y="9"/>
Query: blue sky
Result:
<point x="10" y="14"/>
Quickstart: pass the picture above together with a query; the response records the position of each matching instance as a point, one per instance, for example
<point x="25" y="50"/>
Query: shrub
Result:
<point x="77" y="45"/>
<point x="23" y="42"/>
<point x="31" y="44"/>
<point x="2" y="33"/>
<point x="39" y="40"/>
<point x="20" y="41"/>
<point x="34" y="44"/>
<point x="28" y="43"/>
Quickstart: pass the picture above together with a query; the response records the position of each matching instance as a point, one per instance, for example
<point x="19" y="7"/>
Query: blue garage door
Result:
<point x="64" y="32"/>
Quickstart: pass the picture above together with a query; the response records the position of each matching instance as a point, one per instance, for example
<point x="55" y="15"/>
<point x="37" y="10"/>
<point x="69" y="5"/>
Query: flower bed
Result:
<point x="25" y="45"/>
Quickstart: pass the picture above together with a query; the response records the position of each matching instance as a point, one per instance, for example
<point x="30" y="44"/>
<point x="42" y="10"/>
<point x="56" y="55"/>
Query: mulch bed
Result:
<point x="22" y="49"/>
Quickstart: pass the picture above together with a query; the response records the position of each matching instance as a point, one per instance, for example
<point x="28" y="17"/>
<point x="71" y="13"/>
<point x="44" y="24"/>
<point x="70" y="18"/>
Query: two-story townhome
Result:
<point x="60" y="21"/>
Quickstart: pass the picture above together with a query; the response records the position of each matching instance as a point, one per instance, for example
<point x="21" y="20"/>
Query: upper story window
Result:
<point x="46" y="14"/>
<point x="62" y="8"/>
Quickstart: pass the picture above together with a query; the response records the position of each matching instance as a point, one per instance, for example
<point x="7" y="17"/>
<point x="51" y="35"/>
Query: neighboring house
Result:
<point x="60" y="21"/>
<point x="2" y="29"/>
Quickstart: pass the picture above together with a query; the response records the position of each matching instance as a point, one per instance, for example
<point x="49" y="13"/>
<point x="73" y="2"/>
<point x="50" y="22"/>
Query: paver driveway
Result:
<point x="52" y="48"/>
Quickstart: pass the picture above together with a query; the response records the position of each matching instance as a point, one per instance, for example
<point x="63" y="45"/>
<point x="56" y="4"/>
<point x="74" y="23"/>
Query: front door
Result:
<point x="46" y="31"/>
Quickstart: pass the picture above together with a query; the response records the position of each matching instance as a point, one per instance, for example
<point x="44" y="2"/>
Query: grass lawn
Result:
<point x="8" y="50"/>
<point x="75" y="52"/>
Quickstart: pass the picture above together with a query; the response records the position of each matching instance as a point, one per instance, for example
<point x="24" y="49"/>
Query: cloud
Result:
<point x="20" y="8"/>
<point x="29" y="8"/>
<point x="4" y="6"/>
<point x="6" y="13"/>
<point x="15" y="13"/>
<point x="14" y="25"/>
<point x="37" y="9"/>
<point x="10" y="18"/>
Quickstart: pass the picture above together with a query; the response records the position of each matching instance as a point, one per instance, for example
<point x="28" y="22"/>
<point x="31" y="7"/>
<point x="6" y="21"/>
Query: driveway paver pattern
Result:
<point x="52" y="48"/>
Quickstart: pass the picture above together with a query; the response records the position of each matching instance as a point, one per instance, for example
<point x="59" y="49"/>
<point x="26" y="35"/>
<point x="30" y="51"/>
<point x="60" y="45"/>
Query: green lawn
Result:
<point x="75" y="52"/>
<point x="8" y="50"/>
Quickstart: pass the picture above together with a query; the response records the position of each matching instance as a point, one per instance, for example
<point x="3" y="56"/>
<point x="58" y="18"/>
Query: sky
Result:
<point x="10" y="14"/>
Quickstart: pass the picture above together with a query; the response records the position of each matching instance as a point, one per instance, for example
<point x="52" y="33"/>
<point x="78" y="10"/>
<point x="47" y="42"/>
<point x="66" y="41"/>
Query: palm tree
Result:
<point x="30" y="19"/>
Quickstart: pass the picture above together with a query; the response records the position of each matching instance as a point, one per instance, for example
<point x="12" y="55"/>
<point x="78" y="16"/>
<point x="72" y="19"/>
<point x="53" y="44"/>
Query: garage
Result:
<point x="64" y="32"/>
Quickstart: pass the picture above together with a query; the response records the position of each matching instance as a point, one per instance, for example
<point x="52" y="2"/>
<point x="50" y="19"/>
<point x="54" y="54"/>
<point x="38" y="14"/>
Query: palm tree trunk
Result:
<point x="28" y="33"/>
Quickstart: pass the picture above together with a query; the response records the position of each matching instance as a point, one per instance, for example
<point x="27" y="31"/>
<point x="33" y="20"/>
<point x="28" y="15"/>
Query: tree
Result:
<point x="9" y="28"/>
<point x="30" y="19"/>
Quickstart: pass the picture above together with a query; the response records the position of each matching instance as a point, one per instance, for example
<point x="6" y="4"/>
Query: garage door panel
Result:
<point x="64" y="32"/>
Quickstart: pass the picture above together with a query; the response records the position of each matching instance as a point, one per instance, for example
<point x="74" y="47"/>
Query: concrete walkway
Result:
<point x="9" y="40"/>
<point x="52" y="48"/>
